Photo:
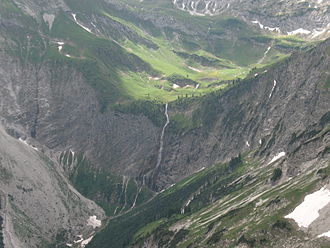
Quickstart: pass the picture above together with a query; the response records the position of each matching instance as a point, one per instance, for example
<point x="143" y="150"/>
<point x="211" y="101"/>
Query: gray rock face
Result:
<point x="278" y="111"/>
<point x="256" y="111"/>
<point x="286" y="16"/>
<point x="45" y="102"/>
<point x="45" y="106"/>
<point x="60" y="119"/>
<point x="50" y="105"/>
<point x="41" y="7"/>
<point x="37" y="201"/>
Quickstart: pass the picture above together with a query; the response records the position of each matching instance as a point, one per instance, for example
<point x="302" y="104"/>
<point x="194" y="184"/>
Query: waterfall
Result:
<point x="159" y="158"/>
<point x="161" y="142"/>
<point x="136" y="197"/>
<point x="265" y="54"/>
<point x="271" y="93"/>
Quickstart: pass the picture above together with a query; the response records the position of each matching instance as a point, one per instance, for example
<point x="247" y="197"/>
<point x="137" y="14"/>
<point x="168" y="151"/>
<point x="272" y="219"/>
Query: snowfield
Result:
<point x="299" y="31"/>
<point x="75" y="19"/>
<point x="327" y="234"/>
<point x="277" y="157"/>
<point x="308" y="211"/>
<point x="274" y="85"/>
<point x="94" y="222"/>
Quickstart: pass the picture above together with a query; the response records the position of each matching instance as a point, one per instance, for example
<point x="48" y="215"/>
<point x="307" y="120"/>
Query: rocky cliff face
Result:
<point x="275" y="128"/>
<point x="43" y="101"/>
<point x="38" y="204"/>
<point x="306" y="18"/>
<point x="57" y="117"/>
<point x="49" y="104"/>
<point x="57" y="120"/>
<point x="274" y="112"/>
<point x="128" y="144"/>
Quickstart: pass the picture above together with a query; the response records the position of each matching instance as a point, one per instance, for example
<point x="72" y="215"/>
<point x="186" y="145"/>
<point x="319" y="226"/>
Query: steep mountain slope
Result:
<point x="280" y="122"/>
<point x="79" y="81"/>
<point x="53" y="54"/>
<point x="38" y="206"/>
<point x="273" y="112"/>
<point x="310" y="18"/>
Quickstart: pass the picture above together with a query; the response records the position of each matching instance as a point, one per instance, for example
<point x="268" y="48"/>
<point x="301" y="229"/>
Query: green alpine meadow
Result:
<point x="164" y="124"/>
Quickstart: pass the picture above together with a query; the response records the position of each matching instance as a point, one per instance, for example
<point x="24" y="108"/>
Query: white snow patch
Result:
<point x="194" y="12"/>
<point x="185" y="206"/>
<point x="60" y="48"/>
<point x="49" y="19"/>
<point x="175" y="86"/>
<point x="201" y="169"/>
<point x="93" y="25"/>
<point x="86" y="241"/>
<point x="69" y="245"/>
<point x="154" y="78"/>
<point x="265" y="54"/>
<point x="277" y="157"/>
<point x="79" y="240"/>
<point x="299" y="31"/>
<point x="319" y="31"/>
<point x="326" y="234"/>
<point x="193" y="5"/>
<point x="308" y="211"/>
<point x="75" y="19"/>
<point x="94" y="222"/>
<point x="23" y="141"/>
<point x="274" y="85"/>
<point x="276" y="29"/>
<point x="261" y="26"/>
<point x="67" y="55"/>
<point x="260" y="142"/>
<point x="197" y="86"/>
<point x="194" y="69"/>
<point x="26" y="143"/>
<point x="257" y="22"/>
<point x="247" y="144"/>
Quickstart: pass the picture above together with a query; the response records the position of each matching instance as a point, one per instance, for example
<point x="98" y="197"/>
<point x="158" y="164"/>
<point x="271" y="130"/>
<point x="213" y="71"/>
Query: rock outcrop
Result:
<point x="293" y="17"/>
<point x="38" y="204"/>
<point x="48" y="107"/>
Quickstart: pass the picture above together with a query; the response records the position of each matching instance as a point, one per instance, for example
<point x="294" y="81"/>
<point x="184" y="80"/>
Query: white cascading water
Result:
<point x="159" y="158"/>
<point x="161" y="142"/>
<point x="136" y="197"/>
